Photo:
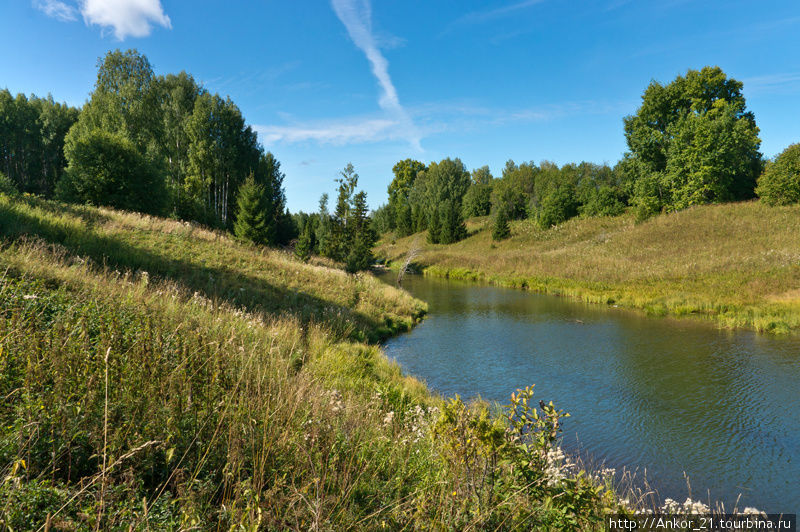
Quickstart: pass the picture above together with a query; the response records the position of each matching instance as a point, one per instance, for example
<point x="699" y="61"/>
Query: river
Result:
<point x="669" y="396"/>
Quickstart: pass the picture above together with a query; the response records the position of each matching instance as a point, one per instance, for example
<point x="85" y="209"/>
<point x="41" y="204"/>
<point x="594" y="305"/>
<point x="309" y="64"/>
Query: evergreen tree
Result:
<point x="360" y="236"/>
<point x="251" y="215"/>
<point x="434" y="227"/>
<point x="305" y="244"/>
<point x="324" y="242"/>
<point x="501" y="230"/>
<point x="348" y="180"/>
<point x="453" y="228"/>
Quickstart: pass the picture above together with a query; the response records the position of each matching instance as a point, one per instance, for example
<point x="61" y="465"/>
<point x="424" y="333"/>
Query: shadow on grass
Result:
<point x="218" y="284"/>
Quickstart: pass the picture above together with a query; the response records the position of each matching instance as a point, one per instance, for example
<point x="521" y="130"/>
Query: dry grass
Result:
<point x="738" y="263"/>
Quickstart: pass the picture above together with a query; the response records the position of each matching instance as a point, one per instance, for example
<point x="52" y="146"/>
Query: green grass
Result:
<point x="159" y="376"/>
<point x="737" y="264"/>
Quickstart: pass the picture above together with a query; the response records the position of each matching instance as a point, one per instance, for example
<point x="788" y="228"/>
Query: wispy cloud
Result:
<point x="125" y="18"/>
<point x="772" y="82"/>
<point x="431" y="118"/>
<point x="356" y="15"/>
<point x="338" y="132"/>
<point x="478" y="17"/>
<point x="57" y="10"/>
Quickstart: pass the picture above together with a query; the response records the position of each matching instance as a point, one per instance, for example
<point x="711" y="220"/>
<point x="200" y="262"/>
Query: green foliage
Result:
<point x="437" y="198"/>
<point x="7" y="186"/>
<point x="434" y="227"/>
<point x="306" y="243"/>
<point x="383" y="219"/>
<point x="453" y="228"/>
<point x="780" y="182"/>
<point x="252" y="211"/>
<point x="361" y="237"/>
<point x="347" y="236"/>
<point x="478" y="200"/>
<point x="107" y="169"/>
<point x="697" y="136"/>
<point x="516" y="189"/>
<point x="604" y="201"/>
<point x="557" y="206"/>
<point x="32" y="134"/>
<point x="405" y="173"/>
<point x="509" y="460"/>
<point x="500" y="228"/>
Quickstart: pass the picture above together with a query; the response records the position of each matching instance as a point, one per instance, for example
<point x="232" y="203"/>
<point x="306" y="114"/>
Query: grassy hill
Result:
<point x="738" y="263"/>
<point x="155" y="375"/>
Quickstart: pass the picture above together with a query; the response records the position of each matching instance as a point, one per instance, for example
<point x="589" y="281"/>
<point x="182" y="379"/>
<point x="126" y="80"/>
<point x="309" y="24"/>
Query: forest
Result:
<point x="165" y="145"/>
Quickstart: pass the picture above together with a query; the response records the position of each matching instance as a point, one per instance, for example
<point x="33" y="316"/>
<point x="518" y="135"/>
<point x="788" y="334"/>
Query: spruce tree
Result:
<point x="434" y="226"/>
<point x="360" y="236"/>
<point x="452" y="221"/>
<point x="305" y="244"/>
<point x="501" y="229"/>
<point x="251" y="215"/>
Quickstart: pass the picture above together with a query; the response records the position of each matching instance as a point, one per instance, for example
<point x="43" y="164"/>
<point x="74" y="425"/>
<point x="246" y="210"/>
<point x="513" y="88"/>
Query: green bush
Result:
<point x="7" y="186"/>
<point x="605" y="201"/>
<point x="558" y="206"/>
<point x="478" y="200"/>
<point x="107" y="169"/>
<point x="780" y="182"/>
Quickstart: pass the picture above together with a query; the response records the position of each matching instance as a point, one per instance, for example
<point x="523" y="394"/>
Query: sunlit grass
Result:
<point x="157" y="375"/>
<point x="738" y="264"/>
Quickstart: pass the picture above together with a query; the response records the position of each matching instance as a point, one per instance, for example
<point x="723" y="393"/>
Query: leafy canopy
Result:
<point x="695" y="140"/>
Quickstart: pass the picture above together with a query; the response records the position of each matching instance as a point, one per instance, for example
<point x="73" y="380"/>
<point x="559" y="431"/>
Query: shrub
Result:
<point x="478" y="200"/>
<point x="605" y="201"/>
<point x="107" y="169"/>
<point x="558" y="206"/>
<point x="780" y="182"/>
<point x="7" y="186"/>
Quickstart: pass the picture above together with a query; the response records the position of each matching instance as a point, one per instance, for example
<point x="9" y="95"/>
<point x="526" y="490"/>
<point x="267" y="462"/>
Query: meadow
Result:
<point x="737" y="264"/>
<point x="156" y="375"/>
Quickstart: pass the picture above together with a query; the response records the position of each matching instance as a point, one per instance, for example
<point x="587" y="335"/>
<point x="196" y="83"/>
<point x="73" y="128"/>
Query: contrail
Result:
<point x="356" y="15"/>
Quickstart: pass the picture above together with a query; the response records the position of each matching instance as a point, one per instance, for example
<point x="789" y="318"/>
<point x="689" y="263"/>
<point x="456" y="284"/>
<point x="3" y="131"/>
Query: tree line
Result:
<point x="166" y="145"/>
<point x="691" y="142"/>
<point x="155" y="144"/>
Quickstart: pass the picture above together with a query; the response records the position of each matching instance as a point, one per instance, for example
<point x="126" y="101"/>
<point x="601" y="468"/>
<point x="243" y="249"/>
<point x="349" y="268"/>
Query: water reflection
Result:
<point x="671" y="396"/>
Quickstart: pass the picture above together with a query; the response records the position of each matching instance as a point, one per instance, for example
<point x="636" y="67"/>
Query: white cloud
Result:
<point x="477" y="17"/>
<point x="337" y="133"/>
<point x="430" y="119"/>
<point x="57" y="10"/>
<point x="125" y="18"/>
<point x="772" y="82"/>
<point x="356" y="15"/>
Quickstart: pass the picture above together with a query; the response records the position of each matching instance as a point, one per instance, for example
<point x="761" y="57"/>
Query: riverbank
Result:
<point x="160" y="375"/>
<point x="737" y="264"/>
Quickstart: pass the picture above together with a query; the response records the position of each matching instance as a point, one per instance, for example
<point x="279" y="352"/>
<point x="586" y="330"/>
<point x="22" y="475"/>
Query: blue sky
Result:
<point x="327" y="82"/>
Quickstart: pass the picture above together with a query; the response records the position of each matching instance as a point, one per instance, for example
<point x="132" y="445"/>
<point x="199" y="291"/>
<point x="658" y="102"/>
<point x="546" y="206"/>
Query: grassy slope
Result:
<point x="228" y="387"/>
<point x="738" y="264"/>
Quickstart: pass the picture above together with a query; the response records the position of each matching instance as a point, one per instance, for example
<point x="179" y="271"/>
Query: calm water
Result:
<point x="671" y="396"/>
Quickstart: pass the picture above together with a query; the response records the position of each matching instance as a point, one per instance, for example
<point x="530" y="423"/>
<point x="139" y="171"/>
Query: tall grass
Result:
<point x="737" y="264"/>
<point x="159" y="376"/>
